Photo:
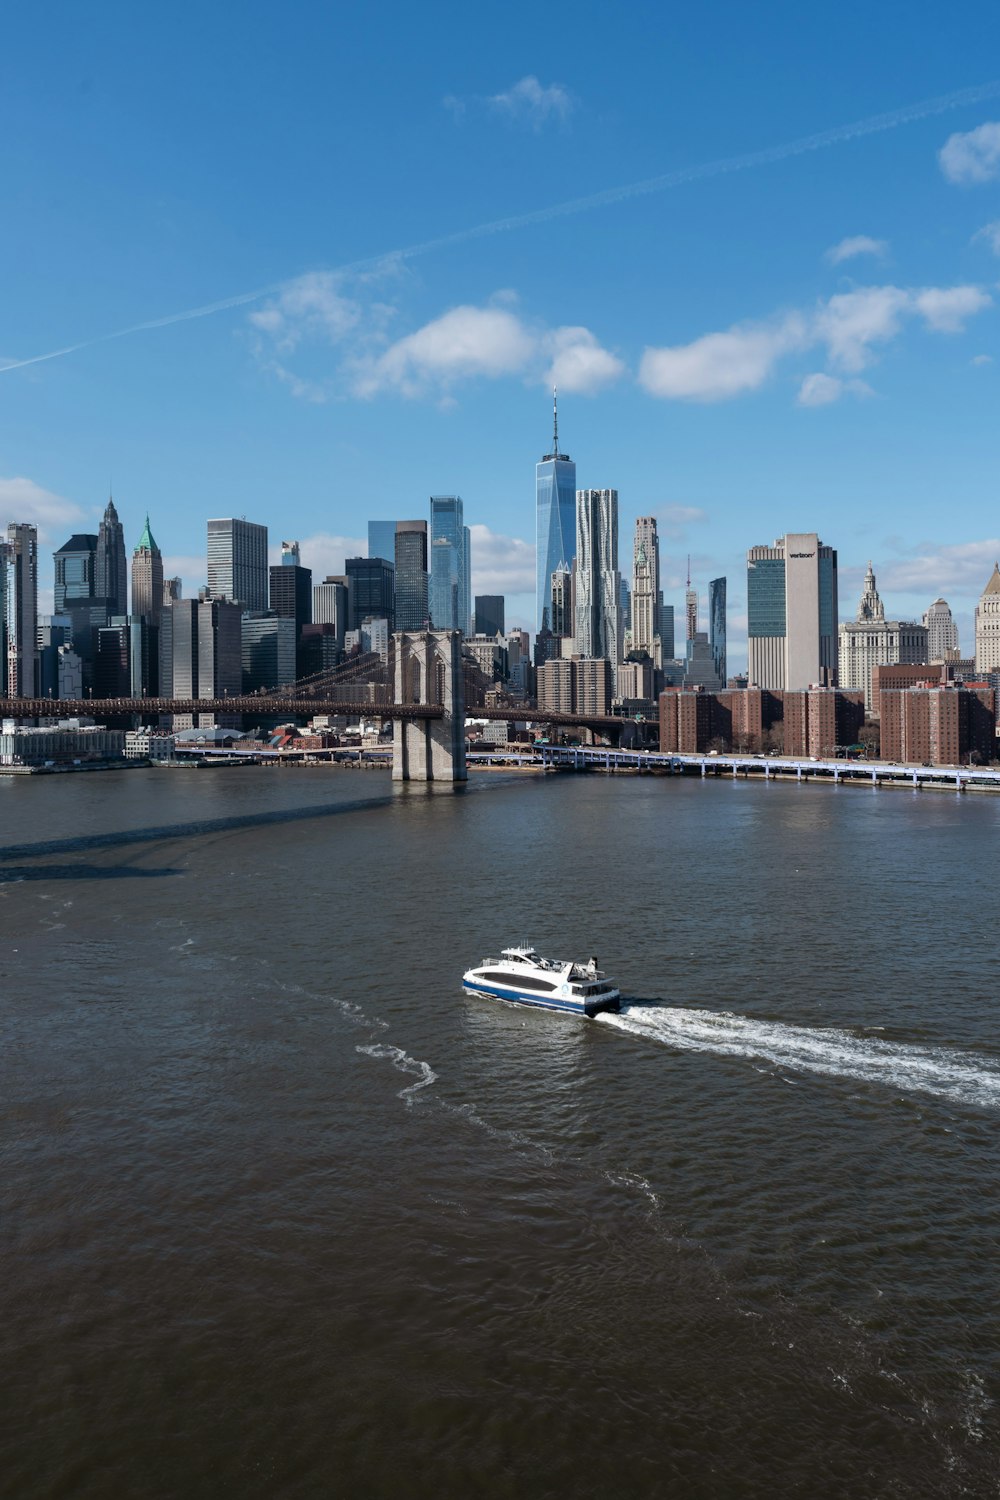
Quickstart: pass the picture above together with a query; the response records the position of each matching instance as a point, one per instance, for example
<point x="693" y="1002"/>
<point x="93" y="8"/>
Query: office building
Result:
<point x="374" y="631"/>
<point x="555" y="522"/>
<point x="450" y="584"/>
<point x="942" y="632"/>
<point x="201" y="649"/>
<point x="382" y="539"/>
<point x="792" y="612"/>
<point x="690" y="608"/>
<point x="110" y="566"/>
<point x="872" y="641"/>
<point x="19" y="611"/>
<point x="666" y="619"/>
<point x="74" y="570"/>
<point x="267" y="651"/>
<point x="322" y="648"/>
<point x="645" y="587"/>
<point x="370" y="590"/>
<point x="53" y="632"/>
<point x="410" y="553"/>
<point x="598" y="582"/>
<point x="490" y="614"/>
<point x="562" y="617"/>
<point x="237" y="563"/>
<point x="112" y="662"/>
<point x="717" y="626"/>
<point x="291" y="590"/>
<point x="699" y="663"/>
<point x="988" y="625"/>
<point x="147" y="577"/>
<point x="329" y="605"/>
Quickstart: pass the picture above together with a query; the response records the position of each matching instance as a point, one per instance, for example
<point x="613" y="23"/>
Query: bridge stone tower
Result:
<point x="428" y="669"/>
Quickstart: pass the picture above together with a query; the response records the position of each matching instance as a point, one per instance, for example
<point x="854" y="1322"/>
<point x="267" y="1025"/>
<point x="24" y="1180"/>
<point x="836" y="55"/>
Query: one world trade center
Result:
<point x="555" y="513"/>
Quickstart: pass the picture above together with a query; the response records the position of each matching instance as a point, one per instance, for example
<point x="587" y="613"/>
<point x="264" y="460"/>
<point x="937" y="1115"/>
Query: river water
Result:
<point x="285" y="1213"/>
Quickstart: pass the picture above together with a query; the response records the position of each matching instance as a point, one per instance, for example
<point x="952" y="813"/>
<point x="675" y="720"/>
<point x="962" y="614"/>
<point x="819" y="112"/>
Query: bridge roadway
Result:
<point x="254" y="703"/>
<point x="768" y="768"/>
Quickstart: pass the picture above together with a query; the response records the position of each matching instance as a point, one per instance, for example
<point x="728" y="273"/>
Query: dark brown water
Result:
<point x="285" y="1213"/>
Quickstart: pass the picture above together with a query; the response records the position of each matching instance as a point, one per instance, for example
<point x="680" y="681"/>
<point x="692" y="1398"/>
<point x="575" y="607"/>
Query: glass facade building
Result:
<point x="19" y="611"/>
<point x="74" y="569"/>
<point x="792" y="613"/>
<point x="450" y="584"/>
<point x="370" y="590"/>
<point x="410" y="553"/>
<point x="717" y="626"/>
<point x="555" y="523"/>
<point x="382" y="539"/>
<point x="490" y="614"/>
<point x="110" y="566"/>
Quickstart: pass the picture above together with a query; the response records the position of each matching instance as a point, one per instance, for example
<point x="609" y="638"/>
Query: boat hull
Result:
<point x="566" y="1007"/>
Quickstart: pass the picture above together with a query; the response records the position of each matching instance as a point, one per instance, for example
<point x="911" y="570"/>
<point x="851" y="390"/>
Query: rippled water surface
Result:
<point x="285" y="1213"/>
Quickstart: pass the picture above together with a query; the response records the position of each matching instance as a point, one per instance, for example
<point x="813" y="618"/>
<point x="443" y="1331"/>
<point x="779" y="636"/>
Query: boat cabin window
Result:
<point x="522" y="981"/>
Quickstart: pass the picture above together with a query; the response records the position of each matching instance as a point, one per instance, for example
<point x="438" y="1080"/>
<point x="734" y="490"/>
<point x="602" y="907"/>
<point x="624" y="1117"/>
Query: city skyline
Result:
<point x="837" y="373"/>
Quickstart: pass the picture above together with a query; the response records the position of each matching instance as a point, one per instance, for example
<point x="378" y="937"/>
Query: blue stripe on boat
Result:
<point x="577" y="1007"/>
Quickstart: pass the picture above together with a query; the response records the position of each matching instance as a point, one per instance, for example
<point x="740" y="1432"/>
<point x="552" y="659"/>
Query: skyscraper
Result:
<point x="792" y="613"/>
<point x="330" y="605"/>
<point x="942" y="632"/>
<point x="74" y="570"/>
<point x="873" y="641"/>
<point x="370" y="590"/>
<point x="717" y="626"/>
<point x="19" y="610"/>
<point x="988" y="625"/>
<point x="110" y="566"/>
<point x="147" y="577"/>
<point x="555" y="520"/>
<point x="645" y="585"/>
<point x="291" y="589"/>
<point x="563" y="614"/>
<point x="237" y="563"/>
<point x="598" y="582"/>
<point x="450" y="585"/>
<point x="490" y="614"/>
<point x="410" y="553"/>
<point x="691" y="606"/>
<point x="382" y="539"/>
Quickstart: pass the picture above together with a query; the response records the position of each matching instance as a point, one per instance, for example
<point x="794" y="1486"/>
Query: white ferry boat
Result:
<point x="522" y="977"/>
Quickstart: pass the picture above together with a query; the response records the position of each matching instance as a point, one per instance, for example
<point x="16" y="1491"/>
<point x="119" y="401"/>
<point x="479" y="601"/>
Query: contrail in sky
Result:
<point x="873" y="125"/>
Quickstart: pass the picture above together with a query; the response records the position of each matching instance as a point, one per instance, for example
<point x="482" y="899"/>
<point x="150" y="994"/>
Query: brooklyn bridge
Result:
<point x="425" y="689"/>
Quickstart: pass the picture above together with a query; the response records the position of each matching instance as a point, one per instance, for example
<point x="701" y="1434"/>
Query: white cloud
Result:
<point x="981" y="359"/>
<point x="24" y="501"/>
<point x="972" y="156"/>
<point x="961" y="568"/>
<point x="851" y="322"/>
<point x="991" y="234"/>
<point x="856" y="244"/>
<point x="326" y="552"/>
<point x="464" y="342"/>
<point x="501" y="564"/>
<point x="946" y="309"/>
<point x="311" y="306"/>
<point x="189" y="567"/>
<point x="491" y="342"/>
<point x="718" y="366"/>
<point x="852" y="325"/>
<point x="532" y="103"/>
<point x="579" y="363"/>
<point x="673" y="520"/>
<point x="821" y="390"/>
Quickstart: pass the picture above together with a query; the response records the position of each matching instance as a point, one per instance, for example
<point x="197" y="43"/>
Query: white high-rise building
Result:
<point x="237" y="563"/>
<point x="942" y="632"/>
<point x="19" y="611"/>
<point x="645" y="586"/>
<point x="873" y="641"/>
<point x="988" y="625"/>
<point x="598" y="582"/>
<point x="792" y="613"/>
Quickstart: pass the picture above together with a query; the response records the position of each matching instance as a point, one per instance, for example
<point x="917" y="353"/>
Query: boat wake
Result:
<point x="406" y="1064"/>
<point x="943" y="1072"/>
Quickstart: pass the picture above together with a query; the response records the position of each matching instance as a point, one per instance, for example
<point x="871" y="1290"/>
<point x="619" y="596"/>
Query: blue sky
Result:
<point x="720" y="360"/>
